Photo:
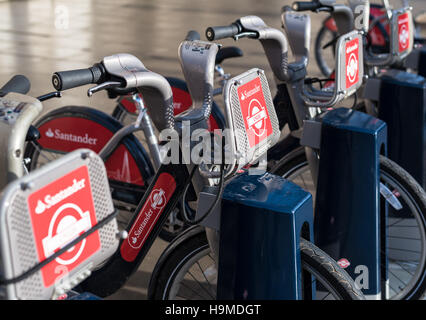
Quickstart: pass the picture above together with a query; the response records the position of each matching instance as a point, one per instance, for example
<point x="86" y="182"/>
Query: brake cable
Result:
<point x="217" y="198"/>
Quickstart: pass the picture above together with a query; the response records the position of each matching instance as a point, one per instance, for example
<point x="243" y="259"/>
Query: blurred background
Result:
<point x="39" y="37"/>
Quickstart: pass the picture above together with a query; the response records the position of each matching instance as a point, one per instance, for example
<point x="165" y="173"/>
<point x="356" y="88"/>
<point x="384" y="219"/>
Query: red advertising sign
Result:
<point x="404" y="32"/>
<point x="352" y="62"/>
<point x="60" y="212"/>
<point x="255" y="114"/>
<point x="148" y="216"/>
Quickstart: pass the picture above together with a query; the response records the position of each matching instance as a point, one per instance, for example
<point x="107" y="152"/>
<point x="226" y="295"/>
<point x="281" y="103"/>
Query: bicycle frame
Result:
<point x="16" y="121"/>
<point x="142" y="123"/>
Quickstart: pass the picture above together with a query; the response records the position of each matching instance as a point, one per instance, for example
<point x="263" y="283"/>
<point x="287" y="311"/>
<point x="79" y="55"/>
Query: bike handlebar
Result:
<point x="18" y="84"/>
<point x="222" y="32"/>
<point x="121" y="74"/>
<point x="64" y="80"/>
<point x="306" y="6"/>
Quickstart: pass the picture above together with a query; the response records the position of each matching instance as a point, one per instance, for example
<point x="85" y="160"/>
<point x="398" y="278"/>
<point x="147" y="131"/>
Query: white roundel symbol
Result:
<point x="256" y="117"/>
<point x="158" y="199"/>
<point x="352" y="68"/>
<point x="403" y="36"/>
<point x="67" y="223"/>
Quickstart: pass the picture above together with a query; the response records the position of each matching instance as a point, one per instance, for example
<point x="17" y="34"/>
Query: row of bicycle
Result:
<point x="84" y="201"/>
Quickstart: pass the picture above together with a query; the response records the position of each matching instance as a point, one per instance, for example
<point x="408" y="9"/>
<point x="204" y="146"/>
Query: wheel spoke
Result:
<point x="207" y="291"/>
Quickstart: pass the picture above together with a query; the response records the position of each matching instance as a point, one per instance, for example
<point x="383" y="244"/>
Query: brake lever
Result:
<point x="247" y="34"/>
<point x="103" y="86"/>
<point x="323" y="9"/>
<point x="54" y="94"/>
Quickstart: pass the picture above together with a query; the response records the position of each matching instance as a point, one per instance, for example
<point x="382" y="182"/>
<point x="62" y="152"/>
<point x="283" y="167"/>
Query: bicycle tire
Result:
<point x="313" y="259"/>
<point x="295" y="163"/>
<point x="319" y="57"/>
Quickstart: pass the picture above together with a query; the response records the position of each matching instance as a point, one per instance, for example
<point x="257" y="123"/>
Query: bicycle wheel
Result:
<point x="406" y="233"/>
<point x="69" y="128"/>
<point x="325" y="49"/>
<point x="189" y="272"/>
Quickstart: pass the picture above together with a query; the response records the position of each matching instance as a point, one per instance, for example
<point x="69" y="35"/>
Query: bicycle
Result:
<point x="293" y="90"/>
<point x="37" y="263"/>
<point x="378" y="33"/>
<point x="171" y="180"/>
<point x="131" y="167"/>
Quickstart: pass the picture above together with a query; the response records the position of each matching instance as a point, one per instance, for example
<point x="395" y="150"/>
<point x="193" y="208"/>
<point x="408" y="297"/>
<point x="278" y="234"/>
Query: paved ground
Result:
<point x="40" y="37"/>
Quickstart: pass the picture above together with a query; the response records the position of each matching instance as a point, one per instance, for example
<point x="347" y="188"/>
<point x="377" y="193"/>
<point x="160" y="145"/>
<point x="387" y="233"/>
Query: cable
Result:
<point x="46" y="261"/>
<point x="317" y="80"/>
<point x="218" y="195"/>
<point x="355" y="101"/>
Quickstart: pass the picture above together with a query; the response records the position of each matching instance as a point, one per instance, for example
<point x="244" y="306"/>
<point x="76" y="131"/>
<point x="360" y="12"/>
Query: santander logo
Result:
<point x="352" y="62"/>
<point x="253" y="109"/>
<point x="148" y="216"/>
<point x="49" y="200"/>
<point x="158" y="201"/>
<point x="59" y="135"/>
<point x="403" y="32"/>
<point x="247" y="94"/>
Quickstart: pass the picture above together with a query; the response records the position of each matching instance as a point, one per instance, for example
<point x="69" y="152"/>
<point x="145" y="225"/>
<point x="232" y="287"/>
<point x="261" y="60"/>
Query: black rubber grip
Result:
<point x="64" y="80"/>
<point x="192" y="35"/>
<point x="18" y="83"/>
<point x="222" y="32"/>
<point x="306" y="5"/>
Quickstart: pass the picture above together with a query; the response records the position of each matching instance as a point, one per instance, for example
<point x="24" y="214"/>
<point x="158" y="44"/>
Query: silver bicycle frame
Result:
<point x="18" y="111"/>
<point x="143" y="123"/>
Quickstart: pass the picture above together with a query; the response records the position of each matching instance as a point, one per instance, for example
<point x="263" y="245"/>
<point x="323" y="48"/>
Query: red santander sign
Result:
<point x="352" y="62"/>
<point x="60" y="212"/>
<point x="255" y="114"/>
<point x="148" y="216"/>
<point x="404" y="32"/>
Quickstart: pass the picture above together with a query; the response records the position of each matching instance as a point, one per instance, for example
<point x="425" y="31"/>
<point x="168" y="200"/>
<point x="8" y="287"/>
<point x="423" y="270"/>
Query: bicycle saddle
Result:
<point x="17" y="83"/>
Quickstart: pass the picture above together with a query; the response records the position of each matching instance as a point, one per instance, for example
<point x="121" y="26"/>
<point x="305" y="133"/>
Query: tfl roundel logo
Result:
<point x="60" y="212"/>
<point x="158" y="199"/>
<point x="404" y="32"/>
<point x="253" y="107"/>
<point x="352" y="62"/>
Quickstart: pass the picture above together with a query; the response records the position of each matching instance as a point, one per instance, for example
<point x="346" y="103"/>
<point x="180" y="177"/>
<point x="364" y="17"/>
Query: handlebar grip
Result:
<point x="18" y="83"/>
<point x="192" y="35"/>
<point x="64" y="80"/>
<point x="306" y="5"/>
<point x="221" y="32"/>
